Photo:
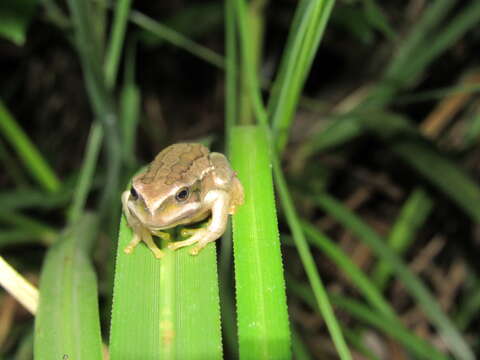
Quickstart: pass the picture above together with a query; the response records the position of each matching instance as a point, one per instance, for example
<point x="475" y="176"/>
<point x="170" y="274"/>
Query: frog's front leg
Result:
<point x="220" y="202"/>
<point x="139" y="232"/>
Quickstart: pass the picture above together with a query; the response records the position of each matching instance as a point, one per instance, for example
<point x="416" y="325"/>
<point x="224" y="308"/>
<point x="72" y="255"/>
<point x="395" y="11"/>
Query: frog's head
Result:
<point x="159" y="205"/>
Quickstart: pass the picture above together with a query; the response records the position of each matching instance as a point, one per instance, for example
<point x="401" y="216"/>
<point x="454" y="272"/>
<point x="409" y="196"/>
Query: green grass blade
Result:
<point x="308" y="262"/>
<point x="165" y="308"/>
<point x="25" y="225"/>
<point x="112" y="57"/>
<point x="375" y="16"/>
<point x="412" y="215"/>
<point x="414" y="285"/>
<point x="15" y="17"/>
<point x="130" y="106"/>
<point x="443" y="173"/>
<point x="249" y="63"/>
<point x="408" y="144"/>
<point x="366" y="315"/>
<point x="299" y="348"/>
<point x="307" y="30"/>
<point x="357" y="277"/>
<point x="469" y="308"/>
<point x="467" y="19"/>
<point x="31" y="198"/>
<point x="26" y="150"/>
<point x="176" y="38"/>
<point x="230" y="68"/>
<point x="67" y="322"/>
<point x="371" y="293"/>
<point x="88" y="44"/>
<point x="84" y="184"/>
<point x="263" y="329"/>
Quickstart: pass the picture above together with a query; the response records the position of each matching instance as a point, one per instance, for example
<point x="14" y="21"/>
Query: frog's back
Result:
<point x="183" y="162"/>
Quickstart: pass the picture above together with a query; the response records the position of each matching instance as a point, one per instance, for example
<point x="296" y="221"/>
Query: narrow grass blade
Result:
<point x="375" y="16"/>
<point x="230" y="68"/>
<point x="26" y="225"/>
<point x="84" y="184"/>
<point x="299" y="349"/>
<point x="20" y="237"/>
<point x="165" y="308"/>
<point x="114" y="50"/>
<point x="469" y="309"/>
<point x="443" y="173"/>
<point x="249" y="64"/>
<point x="368" y="289"/>
<point x="33" y="198"/>
<point x="176" y="38"/>
<point x="357" y="277"/>
<point x="26" y="150"/>
<point x="308" y="262"/>
<point x="263" y="329"/>
<point x="407" y="143"/>
<point x="412" y="216"/>
<point x="25" y="293"/>
<point x="15" y="16"/>
<point x="364" y="314"/>
<point x="67" y="322"/>
<point x="130" y="103"/>
<point x="304" y="38"/>
<point x="89" y="47"/>
<point x="416" y="288"/>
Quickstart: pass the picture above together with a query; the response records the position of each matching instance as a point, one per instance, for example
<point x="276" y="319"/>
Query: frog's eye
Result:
<point x="133" y="193"/>
<point x="182" y="195"/>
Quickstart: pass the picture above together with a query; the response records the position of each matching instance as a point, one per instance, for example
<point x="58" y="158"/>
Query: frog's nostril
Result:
<point x="133" y="193"/>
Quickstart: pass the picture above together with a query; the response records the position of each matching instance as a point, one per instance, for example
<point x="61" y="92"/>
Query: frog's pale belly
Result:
<point x="184" y="184"/>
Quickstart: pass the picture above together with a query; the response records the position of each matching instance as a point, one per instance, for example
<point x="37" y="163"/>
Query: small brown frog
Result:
<point x="184" y="184"/>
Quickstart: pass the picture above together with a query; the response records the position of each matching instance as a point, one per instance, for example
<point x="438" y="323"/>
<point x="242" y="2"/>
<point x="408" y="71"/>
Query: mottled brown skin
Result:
<point x="157" y="202"/>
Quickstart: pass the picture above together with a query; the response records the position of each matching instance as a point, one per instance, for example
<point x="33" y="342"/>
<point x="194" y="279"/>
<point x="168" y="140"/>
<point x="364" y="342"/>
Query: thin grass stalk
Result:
<point x="319" y="291"/>
<point x="299" y="54"/>
<point x="112" y="57"/>
<point x="364" y="314"/>
<point x="230" y="68"/>
<point x="84" y="184"/>
<point x="28" y="153"/>
<point x="101" y="99"/>
<point x="130" y="103"/>
<point x="411" y="217"/>
<point x="249" y="72"/>
<point x="416" y="288"/>
<point x="176" y="38"/>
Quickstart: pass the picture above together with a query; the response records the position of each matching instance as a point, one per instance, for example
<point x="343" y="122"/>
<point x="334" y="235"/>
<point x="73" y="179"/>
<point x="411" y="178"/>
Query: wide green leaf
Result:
<point x="67" y="324"/>
<point x="165" y="308"/>
<point x="263" y="329"/>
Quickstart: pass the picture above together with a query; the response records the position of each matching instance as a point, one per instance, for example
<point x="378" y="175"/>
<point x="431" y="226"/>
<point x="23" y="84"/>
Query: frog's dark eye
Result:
<point x="133" y="193"/>
<point x="182" y="195"/>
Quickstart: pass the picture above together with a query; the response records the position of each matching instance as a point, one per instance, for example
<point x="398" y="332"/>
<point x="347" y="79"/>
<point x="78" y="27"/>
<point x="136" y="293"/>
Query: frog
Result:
<point x="184" y="184"/>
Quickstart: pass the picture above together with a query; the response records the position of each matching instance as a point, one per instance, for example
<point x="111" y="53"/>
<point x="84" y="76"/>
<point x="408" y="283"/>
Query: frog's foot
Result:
<point x="147" y="238"/>
<point x="201" y="237"/>
<point x="132" y="244"/>
<point x="179" y="244"/>
<point x="162" y="235"/>
<point x="196" y="235"/>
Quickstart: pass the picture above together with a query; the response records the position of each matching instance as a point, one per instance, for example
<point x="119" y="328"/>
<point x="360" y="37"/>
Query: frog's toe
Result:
<point x="132" y="244"/>
<point x="162" y="235"/>
<point x="179" y="244"/>
<point x="187" y="232"/>
<point x="158" y="253"/>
